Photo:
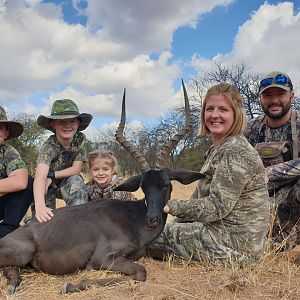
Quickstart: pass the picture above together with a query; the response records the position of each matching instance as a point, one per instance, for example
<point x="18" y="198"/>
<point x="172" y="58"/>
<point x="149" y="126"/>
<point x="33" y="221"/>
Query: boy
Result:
<point x="60" y="159"/>
<point x="16" y="192"/>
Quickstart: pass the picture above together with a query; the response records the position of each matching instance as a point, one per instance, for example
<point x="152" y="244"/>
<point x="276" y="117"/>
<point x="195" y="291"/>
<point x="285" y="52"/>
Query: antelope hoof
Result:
<point x="68" y="288"/>
<point x="11" y="289"/>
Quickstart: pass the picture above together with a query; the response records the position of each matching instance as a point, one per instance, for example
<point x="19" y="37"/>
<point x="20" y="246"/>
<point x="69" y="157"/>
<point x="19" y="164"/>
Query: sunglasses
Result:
<point x="279" y="79"/>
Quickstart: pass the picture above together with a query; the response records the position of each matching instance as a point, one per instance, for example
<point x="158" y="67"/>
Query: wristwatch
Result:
<point x="51" y="175"/>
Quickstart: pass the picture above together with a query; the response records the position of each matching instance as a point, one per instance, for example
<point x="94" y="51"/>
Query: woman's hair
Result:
<point x="235" y="100"/>
<point x="104" y="155"/>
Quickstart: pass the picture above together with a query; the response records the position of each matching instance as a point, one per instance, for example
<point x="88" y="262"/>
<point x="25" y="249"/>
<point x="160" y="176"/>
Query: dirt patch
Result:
<point x="273" y="278"/>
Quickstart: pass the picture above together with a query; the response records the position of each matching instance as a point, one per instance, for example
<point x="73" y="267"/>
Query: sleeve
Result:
<point x="227" y="184"/>
<point x="13" y="160"/>
<point x="252" y="131"/>
<point x="47" y="154"/>
<point x="283" y="173"/>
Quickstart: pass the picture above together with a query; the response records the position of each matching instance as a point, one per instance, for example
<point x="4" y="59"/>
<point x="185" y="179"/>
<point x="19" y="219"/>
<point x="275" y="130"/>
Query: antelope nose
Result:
<point x="152" y="221"/>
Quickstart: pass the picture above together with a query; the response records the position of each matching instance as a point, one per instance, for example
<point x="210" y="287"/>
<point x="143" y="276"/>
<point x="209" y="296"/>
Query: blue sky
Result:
<point x="90" y="50"/>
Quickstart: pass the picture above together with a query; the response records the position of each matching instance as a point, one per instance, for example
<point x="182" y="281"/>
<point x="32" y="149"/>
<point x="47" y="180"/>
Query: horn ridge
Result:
<point x="169" y="146"/>
<point x="126" y="144"/>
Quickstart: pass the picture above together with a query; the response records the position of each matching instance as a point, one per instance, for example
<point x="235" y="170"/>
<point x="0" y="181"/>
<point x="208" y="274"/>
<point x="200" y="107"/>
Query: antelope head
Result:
<point x="156" y="183"/>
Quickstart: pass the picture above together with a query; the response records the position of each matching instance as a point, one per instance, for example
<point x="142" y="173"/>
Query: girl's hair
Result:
<point x="235" y="100"/>
<point x="105" y="155"/>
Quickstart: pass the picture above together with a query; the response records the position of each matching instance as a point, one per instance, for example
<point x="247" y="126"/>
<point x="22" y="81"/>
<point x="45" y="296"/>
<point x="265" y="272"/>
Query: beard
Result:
<point x="285" y="110"/>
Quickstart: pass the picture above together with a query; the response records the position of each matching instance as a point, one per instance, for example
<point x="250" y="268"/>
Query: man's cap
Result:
<point x="275" y="79"/>
<point x="63" y="109"/>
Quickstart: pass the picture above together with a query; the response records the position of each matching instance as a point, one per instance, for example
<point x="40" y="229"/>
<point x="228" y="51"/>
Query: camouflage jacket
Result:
<point x="232" y="200"/>
<point x="10" y="160"/>
<point x="285" y="173"/>
<point x="282" y="133"/>
<point x="96" y="192"/>
<point x="57" y="157"/>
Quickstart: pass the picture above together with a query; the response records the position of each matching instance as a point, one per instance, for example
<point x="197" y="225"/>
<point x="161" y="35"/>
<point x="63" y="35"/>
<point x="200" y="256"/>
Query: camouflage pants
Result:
<point x="196" y="241"/>
<point x="286" y="206"/>
<point x="72" y="190"/>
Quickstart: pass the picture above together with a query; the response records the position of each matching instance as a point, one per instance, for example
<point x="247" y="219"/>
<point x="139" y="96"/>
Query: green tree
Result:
<point x="29" y="142"/>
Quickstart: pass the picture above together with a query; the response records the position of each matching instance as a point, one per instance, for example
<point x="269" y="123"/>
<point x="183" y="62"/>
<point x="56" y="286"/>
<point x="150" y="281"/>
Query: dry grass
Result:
<point x="274" y="277"/>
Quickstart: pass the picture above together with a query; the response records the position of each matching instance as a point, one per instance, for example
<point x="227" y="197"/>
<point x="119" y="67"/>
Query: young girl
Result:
<point x="102" y="169"/>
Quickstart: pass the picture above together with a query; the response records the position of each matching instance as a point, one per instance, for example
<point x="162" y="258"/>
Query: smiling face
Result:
<point x="65" y="129"/>
<point x="101" y="172"/>
<point x="4" y="132"/>
<point x="218" y="117"/>
<point x="276" y="102"/>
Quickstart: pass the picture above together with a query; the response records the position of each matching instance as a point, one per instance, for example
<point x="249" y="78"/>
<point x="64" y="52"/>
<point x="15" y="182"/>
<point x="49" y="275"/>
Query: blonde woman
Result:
<point x="226" y="218"/>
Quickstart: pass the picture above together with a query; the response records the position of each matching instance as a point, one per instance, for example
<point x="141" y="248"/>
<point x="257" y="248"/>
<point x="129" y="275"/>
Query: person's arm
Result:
<point x="75" y="169"/>
<point x="226" y="186"/>
<point x="283" y="173"/>
<point x="16" y="181"/>
<point x="40" y="186"/>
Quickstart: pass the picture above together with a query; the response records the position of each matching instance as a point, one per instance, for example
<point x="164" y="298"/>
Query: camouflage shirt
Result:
<point x="96" y="192"/>
<point x="57" y="157"/>
<point x="232" y="200"/>
<point x="10" y="160"/>
<point x="255" y="135"/>
<point x="285" y="173"/>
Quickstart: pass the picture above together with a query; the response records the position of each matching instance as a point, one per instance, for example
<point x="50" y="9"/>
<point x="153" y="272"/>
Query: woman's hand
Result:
<point x="166" y="209"/>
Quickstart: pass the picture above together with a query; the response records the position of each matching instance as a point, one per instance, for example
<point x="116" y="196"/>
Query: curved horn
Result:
<point x="177" y="137"/>
<point x="127" y="145"/>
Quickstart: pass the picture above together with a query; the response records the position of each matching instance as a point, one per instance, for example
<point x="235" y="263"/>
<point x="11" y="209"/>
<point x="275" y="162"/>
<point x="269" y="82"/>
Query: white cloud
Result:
<point x="268" y="41"/>
<point x="270" y="38"/>
<point x="145" y="26"/>
<point x="43" y="55"/>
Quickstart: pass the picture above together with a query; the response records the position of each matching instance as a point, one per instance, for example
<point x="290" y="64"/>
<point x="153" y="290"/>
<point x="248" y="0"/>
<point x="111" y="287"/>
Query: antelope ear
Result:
<point x="185" y="176"/>
<point x="130" y="185"/>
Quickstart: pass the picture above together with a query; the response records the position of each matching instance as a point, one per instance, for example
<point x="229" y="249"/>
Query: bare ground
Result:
<point x="272" y="278"/>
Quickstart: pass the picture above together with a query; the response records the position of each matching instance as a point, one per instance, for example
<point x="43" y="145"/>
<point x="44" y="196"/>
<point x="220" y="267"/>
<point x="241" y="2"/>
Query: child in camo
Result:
<point x="16" y="192"/>
<point x="102" y="168"/>
<point x="60" y="159"/>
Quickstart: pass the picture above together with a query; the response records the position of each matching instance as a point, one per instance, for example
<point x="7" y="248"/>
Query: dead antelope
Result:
<point x="105" y="234"/>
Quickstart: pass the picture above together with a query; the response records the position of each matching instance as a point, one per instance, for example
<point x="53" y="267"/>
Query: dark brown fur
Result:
<point x="107" y="234"/>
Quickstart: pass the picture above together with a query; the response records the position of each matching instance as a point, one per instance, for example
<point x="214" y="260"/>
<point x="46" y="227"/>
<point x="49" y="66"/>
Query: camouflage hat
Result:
<point x="15" y="128"/>
<point x="275" y="79"/>
<point x="65" y="109"/>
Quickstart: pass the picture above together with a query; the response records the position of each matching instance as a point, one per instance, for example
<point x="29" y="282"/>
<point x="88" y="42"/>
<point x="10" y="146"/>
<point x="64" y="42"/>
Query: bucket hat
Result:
<point x="15" y="128"/>
<point x="65" y="109"/>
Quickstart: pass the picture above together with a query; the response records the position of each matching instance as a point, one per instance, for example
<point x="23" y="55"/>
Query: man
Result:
<point x="276" y="136"/>
<point x="16" y="187"/>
